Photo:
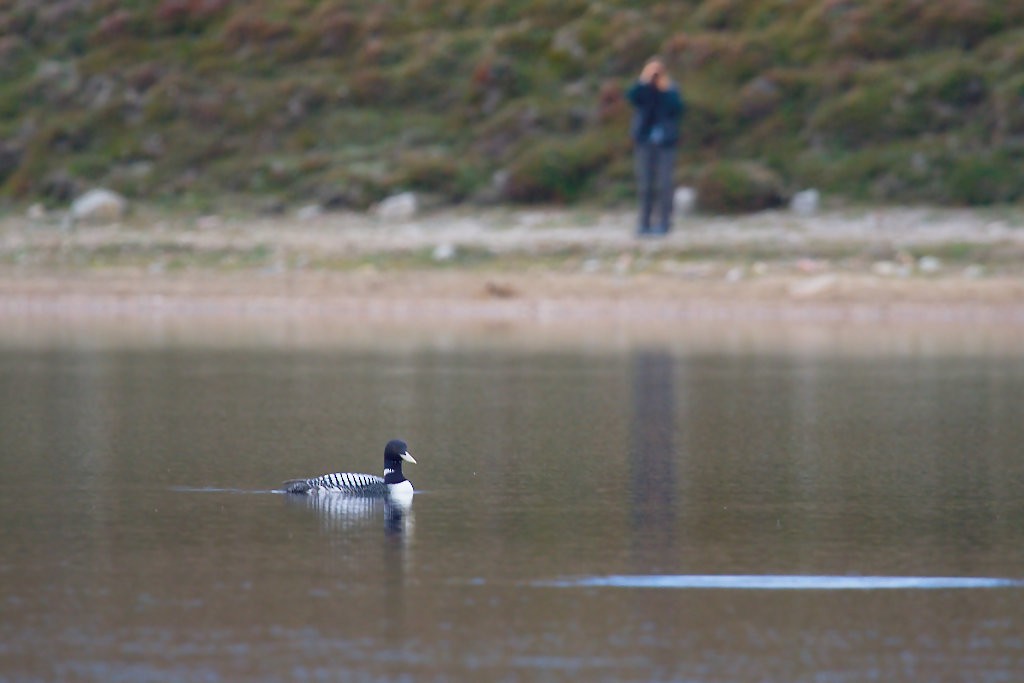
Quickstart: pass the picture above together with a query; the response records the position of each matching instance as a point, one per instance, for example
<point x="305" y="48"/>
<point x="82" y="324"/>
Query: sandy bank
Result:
<point x="549" y="266"/>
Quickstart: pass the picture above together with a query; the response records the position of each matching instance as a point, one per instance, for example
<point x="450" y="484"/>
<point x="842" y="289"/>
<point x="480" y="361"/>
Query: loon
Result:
<point x="393" y="485"/>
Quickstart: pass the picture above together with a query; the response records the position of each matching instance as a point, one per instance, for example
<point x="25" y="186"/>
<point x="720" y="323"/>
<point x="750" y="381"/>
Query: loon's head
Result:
<point x="394" y="453"/>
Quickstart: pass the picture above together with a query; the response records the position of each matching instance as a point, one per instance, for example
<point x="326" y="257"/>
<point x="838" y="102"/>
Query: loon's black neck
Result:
<point x="393" y="472"/>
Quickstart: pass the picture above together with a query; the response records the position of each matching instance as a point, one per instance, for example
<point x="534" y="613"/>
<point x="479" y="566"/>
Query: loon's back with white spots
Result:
<point x="392" y="484"/>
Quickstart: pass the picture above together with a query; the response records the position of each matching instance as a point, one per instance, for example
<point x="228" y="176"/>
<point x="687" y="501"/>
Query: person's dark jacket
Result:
<point x="656" y="114"/>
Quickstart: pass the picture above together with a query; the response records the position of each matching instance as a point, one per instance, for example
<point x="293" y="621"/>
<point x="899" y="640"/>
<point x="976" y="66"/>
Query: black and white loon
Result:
<point x="393" y="485"/>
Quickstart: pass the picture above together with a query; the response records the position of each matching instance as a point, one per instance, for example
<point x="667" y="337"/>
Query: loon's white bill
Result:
<point x="407" y="457"/>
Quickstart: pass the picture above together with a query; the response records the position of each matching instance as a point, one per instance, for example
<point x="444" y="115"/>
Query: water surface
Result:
<point x="141" y="540"/>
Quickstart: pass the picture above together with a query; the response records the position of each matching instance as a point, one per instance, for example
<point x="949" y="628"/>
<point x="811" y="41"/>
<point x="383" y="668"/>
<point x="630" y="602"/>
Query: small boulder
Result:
<point x="814" y="286"/>
<point x="806" y="202"/>
<point x="929" y="264"/>
<point x="684" y="200"/>
<point x="309" y="212"/>
<point x="99" y="206"/>
<point x="445" y="251"/>
<point x="398" y="207"/>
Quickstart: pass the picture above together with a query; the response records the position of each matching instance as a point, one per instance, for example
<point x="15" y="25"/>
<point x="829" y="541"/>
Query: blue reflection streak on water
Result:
<point x="782" y="582"/>
<point x="215" y="489"/>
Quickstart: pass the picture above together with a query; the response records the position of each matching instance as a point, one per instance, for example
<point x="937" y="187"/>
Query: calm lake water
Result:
<point x="674" y="507"/>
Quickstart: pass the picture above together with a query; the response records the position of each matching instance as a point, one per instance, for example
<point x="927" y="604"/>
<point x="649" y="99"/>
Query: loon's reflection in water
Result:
<point x="347" y="523"/>
<point x="340" y="513"/>
<point x="398" y="517"/>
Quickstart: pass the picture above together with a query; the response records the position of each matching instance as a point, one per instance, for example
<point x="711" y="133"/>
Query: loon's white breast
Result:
<point x="401" y="494"/>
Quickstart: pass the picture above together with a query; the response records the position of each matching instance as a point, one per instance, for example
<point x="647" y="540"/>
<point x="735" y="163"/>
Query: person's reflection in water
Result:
<point x="652" y="457"/>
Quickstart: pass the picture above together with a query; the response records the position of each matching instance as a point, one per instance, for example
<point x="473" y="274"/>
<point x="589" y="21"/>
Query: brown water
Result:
<point x="140" y="539"/>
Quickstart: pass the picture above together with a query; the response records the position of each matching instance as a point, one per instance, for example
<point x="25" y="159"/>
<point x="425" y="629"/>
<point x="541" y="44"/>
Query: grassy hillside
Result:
<point x="341" y="102"/>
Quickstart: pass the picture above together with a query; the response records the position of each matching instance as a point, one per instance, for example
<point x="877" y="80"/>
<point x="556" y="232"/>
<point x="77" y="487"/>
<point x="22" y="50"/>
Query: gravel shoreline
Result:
<point x="865" y="266"/>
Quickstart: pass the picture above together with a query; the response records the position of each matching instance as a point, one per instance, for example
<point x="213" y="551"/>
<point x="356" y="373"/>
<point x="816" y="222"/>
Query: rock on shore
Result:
<point x="99" y="206"/>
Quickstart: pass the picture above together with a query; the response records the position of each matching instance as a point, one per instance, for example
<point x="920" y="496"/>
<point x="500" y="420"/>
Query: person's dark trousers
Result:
<point x="654" y="169"/>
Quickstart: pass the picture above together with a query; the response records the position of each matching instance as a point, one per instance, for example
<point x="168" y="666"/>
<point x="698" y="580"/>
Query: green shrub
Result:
<point x="1010" y="107"/>
<point x="250" y="29"/>
<point x="724" y="15"/>
<point x="958" y="83"/>
<point x="556" y="169"/>
<point x="738" y="187"/>
<point x="187" y="16"/>
<point x="876" y="173"/>
<point x="15" y="56"/>
<point x="712" y="116"/>
<point x="726" y="58"/>
<point x="10" y="159"/>
<point x="335" y="34"/>
<point x="879" y="99"/>
<point x="443" y="175"/>
<point x="985" y="179"/>
<point x="961" y="24"/>
<point x="855" y="118"/>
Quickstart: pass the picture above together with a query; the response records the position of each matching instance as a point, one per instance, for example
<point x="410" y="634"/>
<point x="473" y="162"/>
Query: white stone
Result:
<point x="500" y="179"/>
<point x="444" y="252"/>
<point x="806" y="202"/>
<point x="309" y="212"/>
<point x="209" y="222"/>
<point x="885" y="268"/>
<point x="398" y="207"/>
<point x="929" y="264"/>
<point x="99" y="205"/>
<point x="813" y="286"/>
<point x="810" y="265"/>
<point x="891" y="269"/>
<point x="684" y="200"/>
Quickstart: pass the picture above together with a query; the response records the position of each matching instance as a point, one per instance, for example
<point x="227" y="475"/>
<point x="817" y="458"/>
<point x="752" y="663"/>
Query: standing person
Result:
<point x="658" y="109"/>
